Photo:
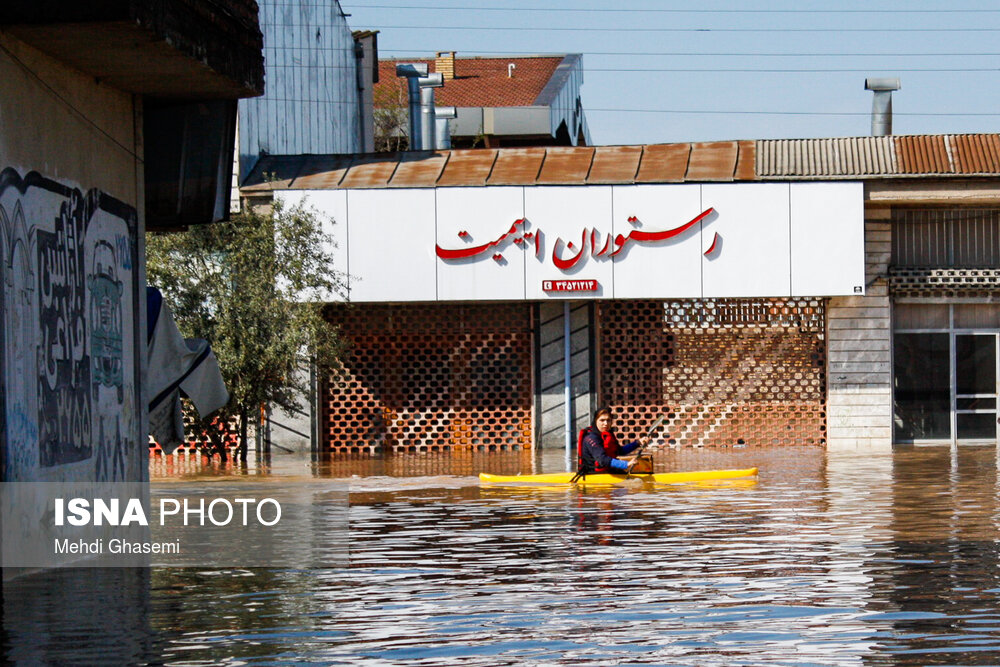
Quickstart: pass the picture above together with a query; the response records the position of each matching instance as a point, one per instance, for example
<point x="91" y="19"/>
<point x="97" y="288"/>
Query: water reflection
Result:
<point x="825" y="559"/>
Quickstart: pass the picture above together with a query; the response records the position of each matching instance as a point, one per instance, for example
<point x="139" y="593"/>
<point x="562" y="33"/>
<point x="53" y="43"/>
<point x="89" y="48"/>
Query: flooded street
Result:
<point x="825" y="559"/>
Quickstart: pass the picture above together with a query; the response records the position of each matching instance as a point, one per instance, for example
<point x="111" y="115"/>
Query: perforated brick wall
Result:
<point x="197" y="442"/>
<point x="929" y="282"/>
<point x="430" y="378"/>
<point x="724" y="372"/>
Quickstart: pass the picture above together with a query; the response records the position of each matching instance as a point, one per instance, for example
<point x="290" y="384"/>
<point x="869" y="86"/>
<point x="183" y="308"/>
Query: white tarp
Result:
<point x="177" y="365"/>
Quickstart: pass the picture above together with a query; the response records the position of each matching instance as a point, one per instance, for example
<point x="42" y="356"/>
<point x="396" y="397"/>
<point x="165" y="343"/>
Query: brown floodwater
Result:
<point x="824" y="559"/>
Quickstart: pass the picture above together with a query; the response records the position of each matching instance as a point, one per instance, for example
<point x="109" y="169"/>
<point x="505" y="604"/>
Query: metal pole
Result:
<point x="314" y="409"/>
<point x="568" y="385"/>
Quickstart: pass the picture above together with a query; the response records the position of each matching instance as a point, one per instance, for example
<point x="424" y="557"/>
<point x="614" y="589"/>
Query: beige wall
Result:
<point x="65" y="125"/>
<point x="859" y="413"/>
<point x="71" y="246"/>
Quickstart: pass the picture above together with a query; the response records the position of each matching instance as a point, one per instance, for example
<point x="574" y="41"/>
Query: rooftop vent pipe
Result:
<point x="442" y="126"/>
<point x="420" y="91"/>
<point x="882" y="104"/>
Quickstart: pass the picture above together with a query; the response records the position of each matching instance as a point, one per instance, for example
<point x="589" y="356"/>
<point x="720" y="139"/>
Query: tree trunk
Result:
<point x="244" y="423"/>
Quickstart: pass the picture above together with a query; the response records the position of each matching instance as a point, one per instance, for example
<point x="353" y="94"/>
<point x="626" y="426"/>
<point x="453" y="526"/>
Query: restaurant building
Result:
<point x="832" y="292"/>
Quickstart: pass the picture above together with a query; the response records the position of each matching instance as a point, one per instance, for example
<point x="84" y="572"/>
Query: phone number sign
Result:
<point x="569" y="285"/>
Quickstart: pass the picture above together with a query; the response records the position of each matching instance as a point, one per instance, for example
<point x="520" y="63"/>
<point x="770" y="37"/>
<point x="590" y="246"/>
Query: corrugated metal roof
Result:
<point x="846" y="157"/>
<point x="867" y="157"/>
<point x="777" y="159"/>
<point x="975" y="153"/>
<point x="922" y="154"/>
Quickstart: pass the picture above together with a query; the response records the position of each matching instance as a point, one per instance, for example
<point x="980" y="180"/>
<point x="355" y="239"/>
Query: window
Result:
<point x="946" y="238"/>
<point x="945" y="370"/>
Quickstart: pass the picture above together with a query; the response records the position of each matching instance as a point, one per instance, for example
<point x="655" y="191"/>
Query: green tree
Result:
<point x="253" y="287"/>
<point x="391" y="117"/>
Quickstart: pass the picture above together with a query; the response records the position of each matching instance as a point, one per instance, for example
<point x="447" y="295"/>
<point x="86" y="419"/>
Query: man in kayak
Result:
<point x="598" y="449"/>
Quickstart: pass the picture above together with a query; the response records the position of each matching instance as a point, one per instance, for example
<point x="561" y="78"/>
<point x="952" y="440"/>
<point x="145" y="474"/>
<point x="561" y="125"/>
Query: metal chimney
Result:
<point x="427" y="125"/>
<point x="442" y="126"/>
<point x="882" y="104"/>
<point x="420" y="92"/>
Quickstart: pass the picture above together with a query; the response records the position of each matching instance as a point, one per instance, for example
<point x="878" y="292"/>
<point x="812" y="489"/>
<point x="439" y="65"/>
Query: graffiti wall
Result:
<point x="70" y="332"/>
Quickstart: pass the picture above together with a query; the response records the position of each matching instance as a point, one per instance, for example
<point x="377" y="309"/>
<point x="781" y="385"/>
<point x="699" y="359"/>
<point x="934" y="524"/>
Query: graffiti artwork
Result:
<point x="106" y="320"/>
<point x="70" y="327"/>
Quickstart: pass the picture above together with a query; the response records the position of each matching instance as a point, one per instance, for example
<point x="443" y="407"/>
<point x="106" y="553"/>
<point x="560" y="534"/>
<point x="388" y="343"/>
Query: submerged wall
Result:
<point x="859" y="344"/>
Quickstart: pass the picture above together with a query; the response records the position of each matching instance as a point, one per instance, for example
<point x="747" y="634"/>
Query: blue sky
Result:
<point x="730" y="70"/>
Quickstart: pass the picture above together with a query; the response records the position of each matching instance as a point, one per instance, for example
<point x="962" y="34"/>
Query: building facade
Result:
<point x="835" y="292"/>
<point x="98" y="103"/>
<point x="514" y="100"/>
<point x="319" y="85"/>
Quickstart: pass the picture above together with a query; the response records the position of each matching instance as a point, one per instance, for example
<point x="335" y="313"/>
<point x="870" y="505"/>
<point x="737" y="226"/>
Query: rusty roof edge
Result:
<point x="291" y="181"/>
<point x="638" y="163"/>
<point x="493" y="165"/>
<point x="541" y="163"/>
<point x="447" y="159"/>
<point x="394" y="170"/>
<point x="590" y="167"/>
<point x="343" y="173"/>
<point x="772" y="160"/>
<point x="878" y="177"/>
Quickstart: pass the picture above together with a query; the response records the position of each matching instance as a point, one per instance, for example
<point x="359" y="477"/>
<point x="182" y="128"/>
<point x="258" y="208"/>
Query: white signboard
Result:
<point x="592" y="242"/>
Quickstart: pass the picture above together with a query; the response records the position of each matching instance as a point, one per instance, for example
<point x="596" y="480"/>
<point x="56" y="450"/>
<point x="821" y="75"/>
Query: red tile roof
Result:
<point x="478" y="82"/>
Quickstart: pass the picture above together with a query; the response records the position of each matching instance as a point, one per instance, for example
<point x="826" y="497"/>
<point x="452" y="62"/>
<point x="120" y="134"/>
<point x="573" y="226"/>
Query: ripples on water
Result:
<point x="825" y="560"/>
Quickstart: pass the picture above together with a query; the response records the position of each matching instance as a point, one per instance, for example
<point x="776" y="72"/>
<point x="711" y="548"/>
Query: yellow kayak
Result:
<point x="604" y="478"/>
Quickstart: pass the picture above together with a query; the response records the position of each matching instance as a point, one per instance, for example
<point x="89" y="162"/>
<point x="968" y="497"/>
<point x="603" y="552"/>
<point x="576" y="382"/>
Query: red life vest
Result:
<point x="608" y="440"/>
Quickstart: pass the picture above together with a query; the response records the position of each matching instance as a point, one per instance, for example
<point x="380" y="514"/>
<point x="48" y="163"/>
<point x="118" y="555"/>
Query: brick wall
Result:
<point x="430" y="378"/>
<point x="723" y="372"/>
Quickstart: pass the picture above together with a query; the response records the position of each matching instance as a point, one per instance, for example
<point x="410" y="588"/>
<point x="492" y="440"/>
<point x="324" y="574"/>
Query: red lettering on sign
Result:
<point x="520" y="235"/>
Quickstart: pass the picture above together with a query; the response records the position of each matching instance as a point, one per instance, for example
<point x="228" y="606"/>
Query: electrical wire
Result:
<point x="740" y="54"/>
<point x="773" y="70"/>
<point x="617" y="10"/>
<point x="80" y="114"/>
<point x="424" y="54"/>
<point x="587" y="110"/>
<point x="494" y="28"/>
